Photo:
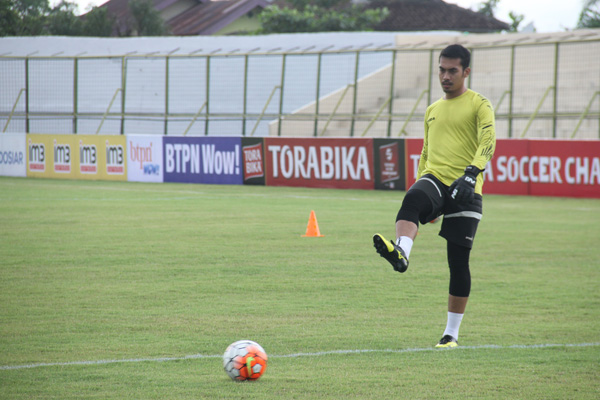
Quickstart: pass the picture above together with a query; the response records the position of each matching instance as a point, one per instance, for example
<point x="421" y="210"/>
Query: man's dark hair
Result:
<point x="457" y="51"/>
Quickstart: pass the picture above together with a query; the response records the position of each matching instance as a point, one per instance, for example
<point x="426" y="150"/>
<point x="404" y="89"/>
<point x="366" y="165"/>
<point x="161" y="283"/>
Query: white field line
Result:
<point x="190" y="194"/>
<point x="295" y="355"/>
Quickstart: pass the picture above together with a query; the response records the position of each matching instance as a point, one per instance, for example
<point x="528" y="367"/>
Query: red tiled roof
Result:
<point x="119" y="9"/>
<point x="203" y="18"/>
<point x="210" y="17"/>
<point x="433" y="15"/>
<point x="207" y="17"/>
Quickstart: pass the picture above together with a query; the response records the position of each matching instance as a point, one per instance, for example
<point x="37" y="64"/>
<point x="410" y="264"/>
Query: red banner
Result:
<point x="413" y="154"/>
<point x="533" y="167"/>
<point x="253" y="161"/>
<point x="545" y="168"/>
<point x="323" y="163"/>
<point x="499" y="175"/>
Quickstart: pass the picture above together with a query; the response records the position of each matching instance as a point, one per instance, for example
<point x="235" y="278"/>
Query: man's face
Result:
<point x="452" y="76"/>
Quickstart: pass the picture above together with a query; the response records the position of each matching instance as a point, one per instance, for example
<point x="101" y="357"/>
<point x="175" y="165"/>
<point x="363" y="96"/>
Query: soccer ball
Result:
<point x="245" y="360"/>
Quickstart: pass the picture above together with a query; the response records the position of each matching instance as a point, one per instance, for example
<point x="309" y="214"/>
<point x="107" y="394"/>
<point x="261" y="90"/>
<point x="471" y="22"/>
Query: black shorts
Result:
<point x="460" y="220"/>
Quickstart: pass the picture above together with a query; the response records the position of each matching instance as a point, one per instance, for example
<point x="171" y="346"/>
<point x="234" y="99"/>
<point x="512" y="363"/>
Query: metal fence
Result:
<point x="540" y="89"/>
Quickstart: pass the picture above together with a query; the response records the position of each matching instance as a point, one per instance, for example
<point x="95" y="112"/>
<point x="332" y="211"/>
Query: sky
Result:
<point x="546" y="15"/>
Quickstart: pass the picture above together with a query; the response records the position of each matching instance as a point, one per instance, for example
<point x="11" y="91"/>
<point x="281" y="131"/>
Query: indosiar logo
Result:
<point x="11" y="157"/>
<point x="115" y="159"/>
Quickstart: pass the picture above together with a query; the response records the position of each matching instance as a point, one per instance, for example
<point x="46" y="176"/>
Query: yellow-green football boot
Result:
<point x="447" y="342"/>
<point x="392" y="253"/>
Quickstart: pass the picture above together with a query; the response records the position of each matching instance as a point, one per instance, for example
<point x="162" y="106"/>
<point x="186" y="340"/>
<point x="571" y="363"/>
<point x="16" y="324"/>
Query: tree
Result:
<point x="488" y="7"/>
<point x="62" y="20"/>
<point x="27" y="16"/>
<point x="34" y="17"/>
<point x="324" y="16"/>
<point x="146" y="19"/>
<point x="590" y="14"/>
<point x="98" y="22"/>
<point x="9" y="18"/>
<point x="325" y="4"/>
<point x="31" y="7"/>
<point x="515" y="21"/>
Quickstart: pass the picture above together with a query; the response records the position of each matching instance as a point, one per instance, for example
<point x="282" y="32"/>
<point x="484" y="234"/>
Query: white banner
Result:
<point x="144" y="158"/>
<point x="13" y="154"/>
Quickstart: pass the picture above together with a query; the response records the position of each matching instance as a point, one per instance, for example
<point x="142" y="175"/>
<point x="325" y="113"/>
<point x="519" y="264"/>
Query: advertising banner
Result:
<point x="13" y="154"/>
<point x="76" y="156"/>
<point x="101" y="157"/>
<point x="253" y="158"/>
<point x="545" y="168"/>
<point x="498" y="170"/>
<point x="51" y="156"/>
<point x="323" y="163"/>
<point x="389" y="164"/>
<point x="202" y="159"/>
<point x="413" y="149"/>
<point x="533" y="167"/>
<point x="144" y="158"/>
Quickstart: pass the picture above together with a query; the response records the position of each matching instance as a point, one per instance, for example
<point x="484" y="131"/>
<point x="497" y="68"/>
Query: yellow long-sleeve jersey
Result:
<point x="458" y="132"/>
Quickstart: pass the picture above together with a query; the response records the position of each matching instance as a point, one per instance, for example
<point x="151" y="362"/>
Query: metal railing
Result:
<point x="262" y="113"/>
<point x="299" y="92"/>
<point x="336" y="107"/>
<point x="12" y="111"/>
<point x="412" y="113"/>
<point x="108" y="109"/>
<point x="202" y="107"/>
<point x="537" y="110"/>
<point x="585" y="113"/>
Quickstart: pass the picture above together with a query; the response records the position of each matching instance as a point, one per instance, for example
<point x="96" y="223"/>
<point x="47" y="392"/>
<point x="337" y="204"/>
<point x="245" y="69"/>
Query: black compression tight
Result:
<point x="416" y="206"/>
<point x="460" y="275"/>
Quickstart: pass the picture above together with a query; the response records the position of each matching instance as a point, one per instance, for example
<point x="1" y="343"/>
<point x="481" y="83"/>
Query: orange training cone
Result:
<point x="312" y="229"/>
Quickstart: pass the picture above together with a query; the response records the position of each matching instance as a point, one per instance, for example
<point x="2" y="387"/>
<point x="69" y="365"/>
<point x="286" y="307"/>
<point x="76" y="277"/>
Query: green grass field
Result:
<point x="115" y="290"/>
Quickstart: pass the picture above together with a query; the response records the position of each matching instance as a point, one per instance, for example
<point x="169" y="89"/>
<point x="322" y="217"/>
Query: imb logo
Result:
<point x="115" y="159"/>
<point x="88" y="158"/>
<point x="37" y="157"/>
<point x="62" y="158"/>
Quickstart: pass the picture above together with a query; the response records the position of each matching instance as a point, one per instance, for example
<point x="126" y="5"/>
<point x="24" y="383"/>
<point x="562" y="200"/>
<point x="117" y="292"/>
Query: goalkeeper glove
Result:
<point x="463" y="189"/>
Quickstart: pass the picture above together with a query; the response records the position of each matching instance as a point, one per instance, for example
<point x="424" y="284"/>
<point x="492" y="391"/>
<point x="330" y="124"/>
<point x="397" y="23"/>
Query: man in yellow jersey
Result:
<point x="459" y="140"/>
